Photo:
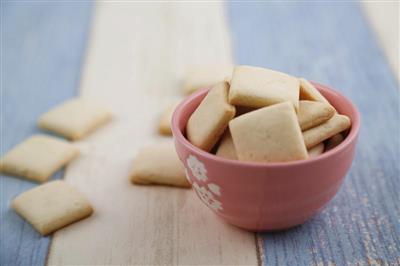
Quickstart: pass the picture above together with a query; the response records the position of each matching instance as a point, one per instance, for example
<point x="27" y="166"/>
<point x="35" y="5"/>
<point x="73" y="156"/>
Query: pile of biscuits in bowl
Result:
<point x="262" y="115"/>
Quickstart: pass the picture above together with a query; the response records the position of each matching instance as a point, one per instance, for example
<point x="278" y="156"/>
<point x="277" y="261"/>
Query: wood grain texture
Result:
<point x="138" y="53"/>
<point x="40" y="68"/>
<point x="332" y="44"/>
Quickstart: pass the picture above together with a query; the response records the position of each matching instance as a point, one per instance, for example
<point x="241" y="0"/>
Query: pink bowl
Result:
<point x="265" y="196"/>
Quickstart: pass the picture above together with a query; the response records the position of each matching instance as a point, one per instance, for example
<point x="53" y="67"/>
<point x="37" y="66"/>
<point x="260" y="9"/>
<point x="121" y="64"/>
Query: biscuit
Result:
<point x="259" y="87"/>
<point x="333" y="141"/>
<point x="226" y="148"/>
<point x="209" y="121"/>
<point x="269" y="134"/>
<point x="309" y="92"/>
<point x="38" y="157"/>
<point x="158" y="164"/>
<point x="227" y="79"/>
<point x="333" y="126"/>
<point x="311" y="114"/>
<point x="316" y="150"/>
<point x="204" y="77"/>
<point x="74" y="119"/>
<point x="165" y="122"/>
<point x="51" y="206"/>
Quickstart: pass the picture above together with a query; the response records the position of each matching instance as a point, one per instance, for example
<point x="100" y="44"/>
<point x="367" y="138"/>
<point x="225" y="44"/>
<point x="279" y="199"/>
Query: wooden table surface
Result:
<point x="131" y="57"/>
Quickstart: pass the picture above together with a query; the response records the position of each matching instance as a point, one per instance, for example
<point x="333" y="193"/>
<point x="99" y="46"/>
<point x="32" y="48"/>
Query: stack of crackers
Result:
<point x="249" y="114"/>
<point x="158" y="164"/>
<point x="263" y="115"/>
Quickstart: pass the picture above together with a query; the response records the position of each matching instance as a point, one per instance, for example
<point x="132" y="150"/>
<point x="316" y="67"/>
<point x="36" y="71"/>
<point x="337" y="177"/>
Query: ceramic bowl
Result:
<point x="266" y="196"/>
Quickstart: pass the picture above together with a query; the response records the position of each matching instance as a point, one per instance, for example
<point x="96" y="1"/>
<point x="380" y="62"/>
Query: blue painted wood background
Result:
<point x="43" y="48"/>
<point x="331" y="43"/>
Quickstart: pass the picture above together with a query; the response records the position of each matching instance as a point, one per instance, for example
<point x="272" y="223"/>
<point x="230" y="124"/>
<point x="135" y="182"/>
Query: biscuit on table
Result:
<point x="334" y="141"/>
<point x="259" y="87"/>
<point x="74" y="119"/>
<point x="38" y="157"/>
<point x="52" y="206"/>
<point x="309" y="92"/>
<point x="158" y="164"/>
<point x="311" y="113"/>
<point x="333" y="126"/>
<point x="269" y="134"/>
<point x="226" y="148"/>
<point x="209" y="121"/>
<point x="199" y="77"/>
<point x="165" y="122"/>
<point x="316" y="150"/>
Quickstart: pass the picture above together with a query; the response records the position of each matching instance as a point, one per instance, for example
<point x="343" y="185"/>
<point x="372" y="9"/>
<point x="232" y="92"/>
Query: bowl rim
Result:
<point x="351" y="137"/>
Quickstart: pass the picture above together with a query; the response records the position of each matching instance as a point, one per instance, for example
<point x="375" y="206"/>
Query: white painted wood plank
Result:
<point x="137" y="55"/>
<point x="384" y="19"/>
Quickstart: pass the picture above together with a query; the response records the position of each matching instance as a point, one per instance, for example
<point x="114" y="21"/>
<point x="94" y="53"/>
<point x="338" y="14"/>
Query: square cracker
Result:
<point x="158" y="164"/>
<point x="164" y="126"/>
<point x="316" y="150"/>
<point x="311" y="113"/>
<point x="51" y="206"/>
<point x="199" y="77"/>
<point x="74" y="119"/>
<point x="269" y="134"/>
<point x="309" y="92"/>
<point x="209" y="121"/>
<point x="324" y="131"/>
<point x="38" y="157"/>
<point x="226" y="148"/>
<point x="259" y="87"/>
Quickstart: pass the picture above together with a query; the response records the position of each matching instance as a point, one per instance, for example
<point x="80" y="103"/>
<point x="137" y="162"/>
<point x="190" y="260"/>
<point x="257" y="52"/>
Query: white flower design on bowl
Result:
<point x="207" y="197"/>
<point x="214" y="189"/>
<point x="198" y="169"/>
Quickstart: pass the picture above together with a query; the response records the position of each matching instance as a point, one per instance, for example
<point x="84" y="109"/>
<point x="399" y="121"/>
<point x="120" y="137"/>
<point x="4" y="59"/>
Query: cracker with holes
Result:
<point x="338" y="123"/>
<point x="209" y="121"/>
<point x="200" y="77"/>
<point x="311" y="113"/>
<point x="52" y="206"/>
<point x="159" y="165"/>
<point x="259" y="87"/>
<point x="38" y="158"/>
<point x="74" y="119"/>
<point x="270" y="134"/>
